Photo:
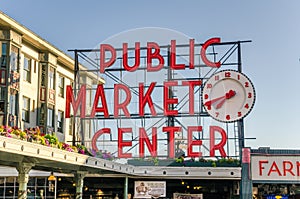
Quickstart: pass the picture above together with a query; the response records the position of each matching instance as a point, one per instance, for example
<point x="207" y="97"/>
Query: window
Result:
<point x="3" y="76"/>
<point x="42" y="116"/>
<point x="43" y="75"/>
<point x="60" y="119"/>
<point x="2" y="107"/>
<point x="50" y="118"/>
<point x="61" y="86"/>
<point x="37" y="187"/>
<point x="71" y="120"/>
<point x="13" y="104"/>
<point x="3" y="56"/>
<point x="2" y="93"/>
<point x="27" y="69"/>
<point x="51" y="79"/>
<point x="14" y="59"/>
<point x="26" y="109"/>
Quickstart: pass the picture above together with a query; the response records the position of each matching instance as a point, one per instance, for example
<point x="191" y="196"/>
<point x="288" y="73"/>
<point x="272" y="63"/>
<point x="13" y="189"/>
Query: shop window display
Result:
<point x="273" y="191"/>
<point x="37" y="187"/>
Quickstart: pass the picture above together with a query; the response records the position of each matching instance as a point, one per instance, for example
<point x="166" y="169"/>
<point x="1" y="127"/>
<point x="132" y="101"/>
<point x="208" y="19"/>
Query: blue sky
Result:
<point x="271" y="60"/>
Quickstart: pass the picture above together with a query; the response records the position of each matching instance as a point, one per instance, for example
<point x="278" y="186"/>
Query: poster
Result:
<point x="187" y="196"/>
<point x="149" y="189"/>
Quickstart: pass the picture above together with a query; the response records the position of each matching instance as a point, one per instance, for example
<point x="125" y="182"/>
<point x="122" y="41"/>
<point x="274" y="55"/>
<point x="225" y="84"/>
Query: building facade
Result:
<point x="34" y="75"/>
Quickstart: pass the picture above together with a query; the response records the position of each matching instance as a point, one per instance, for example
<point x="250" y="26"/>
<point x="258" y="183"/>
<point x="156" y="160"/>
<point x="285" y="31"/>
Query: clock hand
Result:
<point x="210" y="102"/>
<point x="228" y="95"/>
<point x="221" y="103"/>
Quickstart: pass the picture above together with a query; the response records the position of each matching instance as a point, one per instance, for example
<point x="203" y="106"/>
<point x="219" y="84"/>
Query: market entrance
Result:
<point x="110" y="187"/>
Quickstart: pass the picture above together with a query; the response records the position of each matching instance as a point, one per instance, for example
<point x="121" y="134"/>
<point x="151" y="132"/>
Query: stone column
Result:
<point x="23" y="177"/>
<point x="79" y="177"/>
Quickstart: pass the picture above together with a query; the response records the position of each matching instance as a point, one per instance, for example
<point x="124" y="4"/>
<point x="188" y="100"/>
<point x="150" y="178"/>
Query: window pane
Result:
<point x="61" y="85"/>
<point x="3" y="77"/>
<point x="41" y="181"/>
<point x="9" y="192"/>
<point x="26" y="109"/>
<point x="71" y="126"/>
<point x="51" y="78"/>
<point x="12" y="102"/>
<point x="2" y="93"/>
<point x="1" y="192"/>
<point x="60" y="119"/>
<point x="14" y="59"/>
<point x="27" y="69"/>
<point x="50" y="117"/>
<point x="31" y="182"/>
<point x="3" y="56"/>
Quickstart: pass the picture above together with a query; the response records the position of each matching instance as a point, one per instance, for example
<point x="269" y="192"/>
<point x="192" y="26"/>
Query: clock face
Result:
<point x="228" y="96"/>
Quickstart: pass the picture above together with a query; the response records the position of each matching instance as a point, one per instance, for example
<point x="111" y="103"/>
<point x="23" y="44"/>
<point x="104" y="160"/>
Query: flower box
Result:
<point x="173" y="163"/>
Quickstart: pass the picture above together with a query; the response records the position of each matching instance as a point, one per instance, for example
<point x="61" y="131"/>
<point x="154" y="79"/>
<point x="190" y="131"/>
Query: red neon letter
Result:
<point x="192" y="53"/>
<point x="203" y="52"/>
<point x="122" y="105"/>
<point x="171" y="130"/>
<point x="173" y="64"/>
<point x="136" y="58"/>
<point x="168" y="110"/>
<point x="274" y="168"/>
<point x="145" y="139"/>
<point x="97" y="135"/>
<point x="155" y="54"/>
<point x="261" y="166"/>
<point x="222" y="143"/>
<point x="288" y="169"/>
<point x="122" y="143"/>
<point x="143" y="99"/>
<point x="192" y="142"/>
<point x="298" y="168"/>
<point x="103" y="64"/>
<point x="191" y="85"/>
<point x="75" y="103"/>
<point x="104" y="109"/>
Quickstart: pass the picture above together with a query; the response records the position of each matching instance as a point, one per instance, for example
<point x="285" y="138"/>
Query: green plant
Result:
<point x="155" y="160"/>
<point x="213" y="164"/>
<point x="179" y="159"/>
<point x="52" y="139"/>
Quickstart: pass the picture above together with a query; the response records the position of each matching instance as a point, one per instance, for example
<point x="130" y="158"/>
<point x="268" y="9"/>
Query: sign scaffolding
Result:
<point x="151" y="102"/>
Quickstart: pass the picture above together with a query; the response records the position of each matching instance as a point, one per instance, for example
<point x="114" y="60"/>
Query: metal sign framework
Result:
<point x="228" y="53"/>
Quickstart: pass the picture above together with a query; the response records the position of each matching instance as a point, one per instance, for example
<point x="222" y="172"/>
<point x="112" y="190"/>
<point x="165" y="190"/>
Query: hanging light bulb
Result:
<point x="51" y="177"/>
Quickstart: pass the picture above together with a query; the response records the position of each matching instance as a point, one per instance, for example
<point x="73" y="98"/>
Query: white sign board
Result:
<point x="149" y="189"/>
<point x="187" y="196"/>
<point x="279" y="168"/>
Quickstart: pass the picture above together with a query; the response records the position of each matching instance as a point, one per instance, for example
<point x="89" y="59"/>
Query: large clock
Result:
<point x="228" y="96"/>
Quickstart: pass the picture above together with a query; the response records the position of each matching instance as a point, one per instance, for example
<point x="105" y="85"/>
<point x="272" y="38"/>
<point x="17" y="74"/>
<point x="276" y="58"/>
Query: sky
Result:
<point x="271" y="60"/>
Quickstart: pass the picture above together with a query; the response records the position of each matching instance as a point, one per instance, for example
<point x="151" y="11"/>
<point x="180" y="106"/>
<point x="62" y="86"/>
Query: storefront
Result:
<point x="275" y="173"/>
<point x="113" y="186"/>
<point x="109" y="188"/>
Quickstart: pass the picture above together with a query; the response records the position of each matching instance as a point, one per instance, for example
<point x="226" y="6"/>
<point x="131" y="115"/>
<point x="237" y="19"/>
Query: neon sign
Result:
<point x="154" y="63"/>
